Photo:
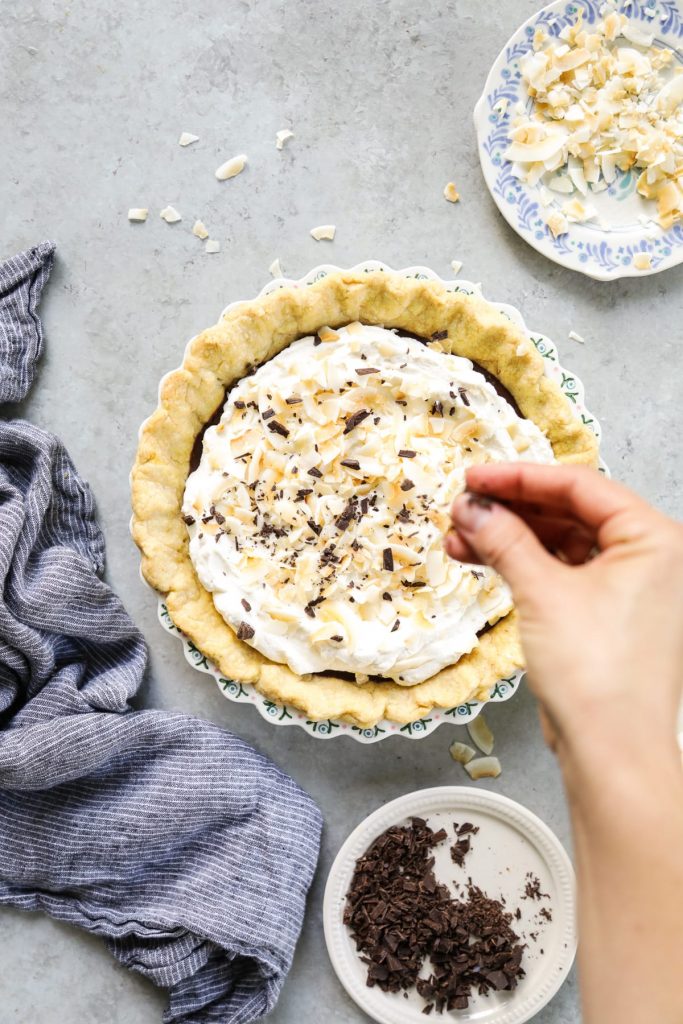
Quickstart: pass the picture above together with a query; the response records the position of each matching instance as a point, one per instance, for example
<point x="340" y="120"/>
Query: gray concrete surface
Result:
<point x="93" y="98"/>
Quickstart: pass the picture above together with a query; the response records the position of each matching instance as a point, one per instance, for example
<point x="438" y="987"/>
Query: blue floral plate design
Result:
<point x="602" y="249"/>
<point x="282" y="714"/>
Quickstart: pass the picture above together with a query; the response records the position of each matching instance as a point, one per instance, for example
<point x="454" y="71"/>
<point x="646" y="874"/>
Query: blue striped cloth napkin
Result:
<point x="190" y="853"/>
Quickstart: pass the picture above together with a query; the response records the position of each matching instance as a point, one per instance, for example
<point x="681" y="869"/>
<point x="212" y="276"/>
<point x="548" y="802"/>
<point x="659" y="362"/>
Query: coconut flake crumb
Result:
<point x="275" y="269"/>
<point x="231" y="168"/>
<point x="607" y="99"/>
<point x="283" y="136"/>
<point x="573" y="336"/>
<point x="451" y="193"/>
<point x="324" y="231"/>
<point x="456" y="266"/>
<point x="170" y="215"/>
<point x="199" y="229"/>
<point x="212" y="246"/>
<point x="642" y="261"/>
<point x="558" y="223"/>
<point x="138" y="214"/>
<point x="187" y="138"/>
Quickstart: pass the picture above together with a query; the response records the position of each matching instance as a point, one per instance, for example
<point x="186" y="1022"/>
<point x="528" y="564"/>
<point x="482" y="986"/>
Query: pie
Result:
<point x="291" y="491"/>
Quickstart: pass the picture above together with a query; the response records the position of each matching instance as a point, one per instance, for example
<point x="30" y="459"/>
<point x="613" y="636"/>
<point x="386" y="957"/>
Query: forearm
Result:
<point x="627" y="816"/>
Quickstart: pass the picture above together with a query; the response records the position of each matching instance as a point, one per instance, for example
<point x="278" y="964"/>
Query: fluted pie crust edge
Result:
<point x="253" y="332"/>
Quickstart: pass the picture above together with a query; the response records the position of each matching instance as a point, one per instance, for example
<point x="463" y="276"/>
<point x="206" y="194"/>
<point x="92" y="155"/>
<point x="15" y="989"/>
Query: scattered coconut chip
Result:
<point x="558" y="223"/>
<point x="481" y="734"/>
<point x="212" y="246"/>
<point x="642" y="261"/>
<point x="500" y="107"/>
<point x="451" y="193"/>
<point x="275" y="269"/>
<point x="573" y="336"/>
<point x="199" y="229"/>
<point x="461" y="752"/>
<point x="137" y="214"/>
<point x="283" y="136"/>
<point x="456" y="266"/>
<point x="170" y="215"/>
<point x="324" y="231"/>
<point x="483" y="768"/>
<point x="187" y="138"/>
<point x="231" y="168"/>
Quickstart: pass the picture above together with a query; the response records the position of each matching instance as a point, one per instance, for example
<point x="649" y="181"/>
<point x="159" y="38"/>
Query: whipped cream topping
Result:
<point x="317" y="512"/>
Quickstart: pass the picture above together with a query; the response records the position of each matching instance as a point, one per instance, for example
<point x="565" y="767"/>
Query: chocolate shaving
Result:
<point x="239" y="404"/>
<point x="439" y="335"/>
<point x="463" y="395"/>
<point x="268" y="414"/>
<point x="189" y="520"/>
<point x="343" y="521"/>
<point x="395" y="626"/>
<point x="353" y="421"/>
<point x="386" y="596"/>
<point x="410" y="931"/>
<point x="407" y="485"/>
<point x="404" y="515"/>
<point x="314" y="471"/>
<point x="314" y="526"/>
<point x="388" y="560"/>
<point x="245" y="631"/>
<point x="338" y="639"/>
<point x="294" y="400"/>
<point x="362" y="371"/>
<point x="302" y="492"/>
<point x="278" y="428"/>
<point x="437" y="409"/>
<point x="245" y="604"/>
<point x="350" y="463"/>
<point x="406" y="453"/>
<point x="414" y="584"/>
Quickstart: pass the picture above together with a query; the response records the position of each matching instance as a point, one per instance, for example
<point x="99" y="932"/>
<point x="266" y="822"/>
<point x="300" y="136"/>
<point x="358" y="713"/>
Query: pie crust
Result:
<point x="246" y="336"/>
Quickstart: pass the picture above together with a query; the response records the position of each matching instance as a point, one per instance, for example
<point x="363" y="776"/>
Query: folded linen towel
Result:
<point x="188" y="851"/>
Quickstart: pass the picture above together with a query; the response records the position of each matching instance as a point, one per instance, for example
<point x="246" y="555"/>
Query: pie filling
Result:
<point x="317" y="511"/>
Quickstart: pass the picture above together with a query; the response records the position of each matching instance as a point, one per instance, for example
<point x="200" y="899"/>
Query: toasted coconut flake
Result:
<point x="456" y="266"/>
<point x="199" y="229"/>
<point x="170" y="215"/>
<point x="451" y="193"/>
<point x="231" y="168"/>
<point x="324" y="232"/>
<point x="558" y="223"/>
<point x="642" y="261"/>
<point x="461" y="752"/>
<point x="573" y="336"/>
<point x="138" y="214"/>
<point x="187" y="138"/>
<point x="212" y="246"/>
<point x="483" y="768"/>
<point x="283" y="136"/>
<point x="275" y="269"/>
<point x="481" y="734"/>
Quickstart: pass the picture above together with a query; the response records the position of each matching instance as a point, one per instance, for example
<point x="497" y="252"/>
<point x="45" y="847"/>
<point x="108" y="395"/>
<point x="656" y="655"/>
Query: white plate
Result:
<point x="283" y="714"/>
<point x="511" y="842"/>
<point x="600" y="252"/>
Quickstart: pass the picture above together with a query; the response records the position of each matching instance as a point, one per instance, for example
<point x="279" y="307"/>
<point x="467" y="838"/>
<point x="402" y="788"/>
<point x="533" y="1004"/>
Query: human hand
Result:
<point x="602" y="635"/>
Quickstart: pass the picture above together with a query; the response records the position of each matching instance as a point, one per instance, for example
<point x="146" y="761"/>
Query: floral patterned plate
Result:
<point x="603" y="249"/>
<point x="281" y="714"/>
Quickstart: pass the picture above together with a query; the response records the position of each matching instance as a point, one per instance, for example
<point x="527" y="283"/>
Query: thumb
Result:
<point x="503" y="541"/>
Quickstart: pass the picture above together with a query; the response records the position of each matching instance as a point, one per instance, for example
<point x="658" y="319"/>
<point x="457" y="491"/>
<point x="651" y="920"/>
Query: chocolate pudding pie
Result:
<point x="291" y="491"/>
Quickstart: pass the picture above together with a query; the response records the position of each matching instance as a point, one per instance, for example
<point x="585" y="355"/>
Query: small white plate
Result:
<point x="605" y="249"/>
<point x="511" y="842"/>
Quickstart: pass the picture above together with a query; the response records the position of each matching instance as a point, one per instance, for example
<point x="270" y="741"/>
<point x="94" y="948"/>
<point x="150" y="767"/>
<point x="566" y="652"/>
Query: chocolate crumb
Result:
<point x="268" y="414"/>
<point x="353" y="421"/>
<point x="245" y="631"/>
<point x="395" y="626"/>
<point x="239" y="404"/>
<point x="278" y="428"/>
<point x="338" y="639"/>
<point x="386" y="596"/>
<point x="463" y="395"/>
<point x="407" y="485"/>
<point x="189" y="520"/>
<point x="245" y="604"/>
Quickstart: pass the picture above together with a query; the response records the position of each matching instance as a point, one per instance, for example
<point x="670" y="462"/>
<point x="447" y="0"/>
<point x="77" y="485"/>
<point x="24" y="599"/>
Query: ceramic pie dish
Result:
<point x="625" y="231"/>
<point x="292" y="317"/>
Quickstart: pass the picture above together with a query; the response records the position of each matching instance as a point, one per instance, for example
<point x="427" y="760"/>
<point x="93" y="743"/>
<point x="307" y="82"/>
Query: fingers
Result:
<point x="575" y="490"/>
<point x="499" y="538"/>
